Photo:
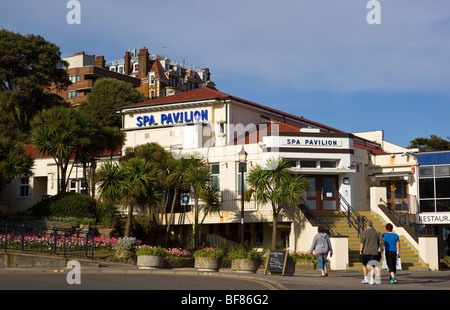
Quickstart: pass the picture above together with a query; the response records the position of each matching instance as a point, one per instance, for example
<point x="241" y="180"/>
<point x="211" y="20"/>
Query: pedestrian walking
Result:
<point x="391" y="251"/>
<point x="321" y="245"/>
<point x="368" y="250"/>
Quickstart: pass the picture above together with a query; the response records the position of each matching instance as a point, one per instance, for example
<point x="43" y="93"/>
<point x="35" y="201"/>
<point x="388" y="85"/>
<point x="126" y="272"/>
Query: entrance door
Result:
<point x="397" y="195"/>
<point x="323" y="195"/>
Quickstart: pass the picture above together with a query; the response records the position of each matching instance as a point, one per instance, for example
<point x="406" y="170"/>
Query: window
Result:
<point x="215" y="173"/>
<point x="426" y="188"/>
<point x="136" y="67"/>
<point x="73" y="186"/>
<point x="74" y="78"/>
<point x="24" y="188"/>
<point x="72" y="94"/>
<point x="426" y="172"/>
<point x="442" y="171"/>
<point x="292" y="163"/>
<point x="221" y="128"/>
<point x="308" y="164"/>
<point x="434" y="188"/>
<point x="327" y="164"/>
<point x="442" y="187"/>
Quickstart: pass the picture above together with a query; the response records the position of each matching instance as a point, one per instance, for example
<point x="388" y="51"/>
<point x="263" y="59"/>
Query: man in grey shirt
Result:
<point x="368" y="249"/>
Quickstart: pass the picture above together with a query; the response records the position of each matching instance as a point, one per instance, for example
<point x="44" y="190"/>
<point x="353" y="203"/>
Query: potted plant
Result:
<point x="208" y="259"/>
<point x="178" y="258"/>
<point x="245" y="260"/>
<point x="149" y="257"/>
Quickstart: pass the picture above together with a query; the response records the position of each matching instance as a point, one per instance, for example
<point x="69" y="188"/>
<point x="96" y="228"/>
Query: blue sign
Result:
<point x="173" y="118"/>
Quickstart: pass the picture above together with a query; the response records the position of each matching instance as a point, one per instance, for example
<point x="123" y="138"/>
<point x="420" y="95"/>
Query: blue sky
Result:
<point x="319" y="59"/>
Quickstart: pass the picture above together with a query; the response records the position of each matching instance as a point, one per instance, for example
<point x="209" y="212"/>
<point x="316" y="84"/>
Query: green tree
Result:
<point x="133" y="182"/>
<point x="273" y="183"/>
<point x="62" y="133"/>
<point x="434" y="143"/>
<point x="106" y="96"/>
<point x="14" y="161"/>
<point x="30" y="68"/>
<point x="177" y="180"/>
<point x="198" y="176"/>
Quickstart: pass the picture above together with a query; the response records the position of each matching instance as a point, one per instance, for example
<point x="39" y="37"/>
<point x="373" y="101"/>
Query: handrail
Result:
<point x="353" y="217"/>
<point x="402" y="219"/>
<point x="316" y="218"/>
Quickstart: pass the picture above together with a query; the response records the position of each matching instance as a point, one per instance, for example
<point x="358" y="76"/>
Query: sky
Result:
<point x="319" y="59"/>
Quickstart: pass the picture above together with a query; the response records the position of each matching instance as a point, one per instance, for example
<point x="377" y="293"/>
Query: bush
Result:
<point x="209" y="252"/>
<point x="147" y="230"/>
<point x="67" y="205"/>
<point x="242" y="253"/>
<point x="108" y="215"/>
<point x="148" y="250"/>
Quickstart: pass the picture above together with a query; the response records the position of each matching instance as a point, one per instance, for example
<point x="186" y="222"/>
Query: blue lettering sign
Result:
<point x="173" y="118"/>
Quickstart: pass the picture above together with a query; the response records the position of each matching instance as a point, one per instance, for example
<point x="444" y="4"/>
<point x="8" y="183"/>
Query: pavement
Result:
<point x="300" y="280"/>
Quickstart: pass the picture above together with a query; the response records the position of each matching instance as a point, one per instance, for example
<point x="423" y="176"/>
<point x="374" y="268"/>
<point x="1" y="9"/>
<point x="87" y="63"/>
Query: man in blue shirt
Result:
<point x="391" y="251"/>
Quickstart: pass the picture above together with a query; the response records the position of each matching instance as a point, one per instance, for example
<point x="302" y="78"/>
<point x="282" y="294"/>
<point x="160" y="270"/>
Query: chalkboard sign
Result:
<point x="276" y="261"/>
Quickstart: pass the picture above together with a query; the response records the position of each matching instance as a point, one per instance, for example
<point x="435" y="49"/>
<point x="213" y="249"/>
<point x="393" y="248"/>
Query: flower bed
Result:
<point x="303" y="260"/>
<point x="47" y="243"/>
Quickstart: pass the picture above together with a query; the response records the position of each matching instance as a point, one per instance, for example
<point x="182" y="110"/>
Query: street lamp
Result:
<point x="242" y="168"/>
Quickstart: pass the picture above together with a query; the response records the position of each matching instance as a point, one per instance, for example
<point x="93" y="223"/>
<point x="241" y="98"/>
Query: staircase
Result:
<point x="338" y="223"/>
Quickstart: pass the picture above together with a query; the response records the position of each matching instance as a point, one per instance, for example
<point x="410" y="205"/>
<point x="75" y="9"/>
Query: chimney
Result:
<point x="100" y="61"/>
<point x="143" y="63"/>
<point x="127" y="64"/>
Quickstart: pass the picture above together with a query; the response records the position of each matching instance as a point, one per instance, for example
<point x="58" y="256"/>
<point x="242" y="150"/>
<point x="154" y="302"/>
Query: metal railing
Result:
<point x="231" y="201"/>
<point x="50" y="240"/>
<point x="353" y="217"/>
<point x="403" y="218"/>
<point x="316" y="218"/>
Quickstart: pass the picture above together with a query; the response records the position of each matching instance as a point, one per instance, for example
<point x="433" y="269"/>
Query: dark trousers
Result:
<point x="391" y="261"/>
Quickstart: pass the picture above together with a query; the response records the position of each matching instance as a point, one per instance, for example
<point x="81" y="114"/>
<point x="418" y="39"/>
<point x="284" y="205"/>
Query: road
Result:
<point x="110" y="286"/>
<point x="101" y="281"/>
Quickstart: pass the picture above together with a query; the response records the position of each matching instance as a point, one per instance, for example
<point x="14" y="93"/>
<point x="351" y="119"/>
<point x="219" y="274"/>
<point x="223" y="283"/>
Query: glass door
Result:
<point x="397" y="195"/>
<point x="323" y="195"/>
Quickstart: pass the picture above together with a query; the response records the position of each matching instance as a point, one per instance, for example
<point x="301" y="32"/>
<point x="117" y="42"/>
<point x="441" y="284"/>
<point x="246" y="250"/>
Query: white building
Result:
<point x="359" y="172"/>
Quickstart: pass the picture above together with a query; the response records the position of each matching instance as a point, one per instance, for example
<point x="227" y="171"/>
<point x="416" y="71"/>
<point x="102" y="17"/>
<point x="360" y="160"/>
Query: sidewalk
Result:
<point x="301" y="280"/>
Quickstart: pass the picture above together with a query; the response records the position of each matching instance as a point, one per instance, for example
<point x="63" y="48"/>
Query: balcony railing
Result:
<point x="231" y="201"/>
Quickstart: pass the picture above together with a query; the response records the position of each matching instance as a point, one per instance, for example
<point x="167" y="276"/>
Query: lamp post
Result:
<point x="242" y="168"/>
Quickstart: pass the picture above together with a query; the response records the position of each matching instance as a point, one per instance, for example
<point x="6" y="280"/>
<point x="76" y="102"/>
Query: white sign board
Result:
<point x="433" y="218"/>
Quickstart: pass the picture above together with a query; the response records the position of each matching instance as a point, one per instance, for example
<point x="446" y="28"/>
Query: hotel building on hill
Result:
<point x="153" y="75"/>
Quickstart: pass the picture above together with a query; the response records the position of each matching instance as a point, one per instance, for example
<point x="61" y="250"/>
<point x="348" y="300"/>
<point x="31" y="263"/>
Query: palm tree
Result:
<point x="211" y="198"/>
<point x="130" y="183"/>
<point x="61" y="133"/>
<point x="176" y="179"/>
<point x="274" y="184"/>
<point x="198" y="175"/>
<point x="139" y="178"/>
